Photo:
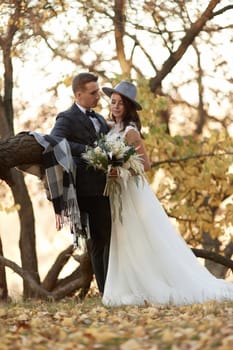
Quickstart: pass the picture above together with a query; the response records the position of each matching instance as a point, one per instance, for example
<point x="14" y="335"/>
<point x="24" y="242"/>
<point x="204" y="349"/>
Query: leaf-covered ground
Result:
<point x="67" y="325"/>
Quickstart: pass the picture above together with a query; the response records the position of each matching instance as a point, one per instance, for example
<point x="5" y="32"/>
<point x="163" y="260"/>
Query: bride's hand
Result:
<point x="113" y="173"/>
<point x="58" y="222"/>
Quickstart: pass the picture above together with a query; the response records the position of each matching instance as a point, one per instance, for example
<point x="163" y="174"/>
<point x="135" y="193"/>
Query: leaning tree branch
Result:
<point x="23" y="149"/>
<point x="18" y="150"/>
<point x="217" y="258"/>
<point x="221" y="11"/>
<point x="52" y="275"/>
<point x="83" y="274"/>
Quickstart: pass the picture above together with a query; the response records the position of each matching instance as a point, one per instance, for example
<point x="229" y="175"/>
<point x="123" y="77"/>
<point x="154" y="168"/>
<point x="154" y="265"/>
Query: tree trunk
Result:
<point x="119" y="33"/>
<point x="201" y="108"/>
<point x="17" y="150"/>
<point x="3" y="283"/>
<point x="4" y="129"/>
<point x="27" y="242"/>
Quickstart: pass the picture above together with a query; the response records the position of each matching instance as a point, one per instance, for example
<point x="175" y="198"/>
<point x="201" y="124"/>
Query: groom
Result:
<point x="80" y="125"/>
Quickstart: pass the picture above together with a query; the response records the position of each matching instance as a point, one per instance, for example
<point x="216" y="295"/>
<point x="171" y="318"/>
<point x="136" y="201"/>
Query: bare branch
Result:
<point x="137" y="43"/>
<point x="193" y="156"/>
<point x="224" y="9"/>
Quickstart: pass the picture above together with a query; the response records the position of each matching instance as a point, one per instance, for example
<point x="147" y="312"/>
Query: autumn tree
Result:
<point x="184" y="34"/>
<point x="19" y="22"/>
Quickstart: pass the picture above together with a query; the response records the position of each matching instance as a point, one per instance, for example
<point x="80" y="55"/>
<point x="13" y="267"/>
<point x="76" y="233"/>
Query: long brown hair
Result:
<point x="130" y="116"/>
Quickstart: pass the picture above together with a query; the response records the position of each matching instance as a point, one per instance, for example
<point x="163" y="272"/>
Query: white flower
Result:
<point x="98" y="150"/>
<point x="113" y="152"/>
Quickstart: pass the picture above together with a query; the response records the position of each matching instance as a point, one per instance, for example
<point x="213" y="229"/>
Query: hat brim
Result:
<point x="108" y="91"/>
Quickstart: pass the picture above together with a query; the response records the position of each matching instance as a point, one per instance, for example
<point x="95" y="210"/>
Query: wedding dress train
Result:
<point x="150" y="262"/>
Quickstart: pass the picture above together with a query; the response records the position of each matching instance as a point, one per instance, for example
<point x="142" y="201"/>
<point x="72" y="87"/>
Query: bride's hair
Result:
<point x="131" y="116"/>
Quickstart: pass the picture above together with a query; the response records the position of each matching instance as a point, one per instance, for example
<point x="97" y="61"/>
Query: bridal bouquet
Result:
<point x="119" y="161"/>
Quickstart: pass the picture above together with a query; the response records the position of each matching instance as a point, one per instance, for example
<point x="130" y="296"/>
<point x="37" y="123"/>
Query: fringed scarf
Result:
<point x="60" y="171"/>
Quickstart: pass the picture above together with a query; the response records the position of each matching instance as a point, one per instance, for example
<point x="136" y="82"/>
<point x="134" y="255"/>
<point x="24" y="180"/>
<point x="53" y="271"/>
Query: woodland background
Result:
<point x="179" y="53"/>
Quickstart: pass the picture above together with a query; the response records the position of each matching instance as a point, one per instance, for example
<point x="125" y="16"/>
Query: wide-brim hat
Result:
<point x="126" y="89"/>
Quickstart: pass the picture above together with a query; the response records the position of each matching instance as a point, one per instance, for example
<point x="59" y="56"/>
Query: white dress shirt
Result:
<point x="95" y="121"/>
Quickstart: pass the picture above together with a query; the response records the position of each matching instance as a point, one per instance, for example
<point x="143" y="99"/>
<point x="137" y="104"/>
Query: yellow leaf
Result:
<point x="67" y="322"/>
<point x="3" y="312"/>
<point x="167" y="336"/>
<point x="131" y="344"/>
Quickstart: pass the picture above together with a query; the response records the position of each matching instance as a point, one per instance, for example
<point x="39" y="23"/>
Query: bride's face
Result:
<point x="117" y="106"/>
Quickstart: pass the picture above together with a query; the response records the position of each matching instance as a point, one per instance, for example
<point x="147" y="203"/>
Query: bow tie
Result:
<point x="90" y="114"/>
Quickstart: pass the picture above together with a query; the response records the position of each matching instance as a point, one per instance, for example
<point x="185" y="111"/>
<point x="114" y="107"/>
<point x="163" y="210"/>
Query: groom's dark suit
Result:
<point x="79" y="130"/>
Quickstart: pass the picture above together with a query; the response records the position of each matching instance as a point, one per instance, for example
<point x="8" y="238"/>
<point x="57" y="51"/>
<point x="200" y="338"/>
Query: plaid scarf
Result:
<point x="60" y="171"/>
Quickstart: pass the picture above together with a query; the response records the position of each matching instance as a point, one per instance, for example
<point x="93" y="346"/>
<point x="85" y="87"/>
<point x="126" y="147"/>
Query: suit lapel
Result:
<point x="102" y="122"/>
<point x="86" y="122"/>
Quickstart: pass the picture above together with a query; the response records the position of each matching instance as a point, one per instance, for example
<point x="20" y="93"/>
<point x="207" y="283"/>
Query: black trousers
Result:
<point x="99" y="212"/>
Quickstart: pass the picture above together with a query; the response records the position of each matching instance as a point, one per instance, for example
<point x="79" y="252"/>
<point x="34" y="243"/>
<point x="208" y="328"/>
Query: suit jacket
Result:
<point x="79" y="131"/>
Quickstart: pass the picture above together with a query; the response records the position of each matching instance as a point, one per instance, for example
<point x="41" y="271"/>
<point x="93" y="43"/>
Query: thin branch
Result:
<point x="137" y="43"/>
<point x="184" y="159"/>
<point x="41" y="292"/>
<point x="224" y="9"/>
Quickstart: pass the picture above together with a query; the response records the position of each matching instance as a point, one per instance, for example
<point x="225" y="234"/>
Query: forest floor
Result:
<point x="71" y="324"/>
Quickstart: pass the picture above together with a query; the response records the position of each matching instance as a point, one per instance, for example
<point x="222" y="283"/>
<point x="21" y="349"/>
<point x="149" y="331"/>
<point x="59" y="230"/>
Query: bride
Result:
<point x="149" y="261"/>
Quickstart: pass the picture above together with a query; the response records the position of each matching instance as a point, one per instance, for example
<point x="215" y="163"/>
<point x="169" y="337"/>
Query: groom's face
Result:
<point x="89" y="96"/>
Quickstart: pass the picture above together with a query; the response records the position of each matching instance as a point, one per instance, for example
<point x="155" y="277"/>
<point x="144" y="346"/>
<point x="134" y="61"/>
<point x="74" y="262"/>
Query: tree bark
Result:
<point x="4" y="130"/>
<point x="84" y="274"/>
<point x="27" y="241"/>
<point x="18" y="150"/>
<point x="119" y="32"/>
<point x="14" y="151"/>
<point x="51" y="278"/>
<point x="3" y="283"/>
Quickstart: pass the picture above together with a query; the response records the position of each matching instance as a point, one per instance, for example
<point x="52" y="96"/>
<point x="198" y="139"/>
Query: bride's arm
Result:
<point x="133" y="138"/>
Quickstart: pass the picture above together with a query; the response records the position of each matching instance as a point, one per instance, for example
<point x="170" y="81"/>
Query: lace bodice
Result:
<point x="116" y="131"/>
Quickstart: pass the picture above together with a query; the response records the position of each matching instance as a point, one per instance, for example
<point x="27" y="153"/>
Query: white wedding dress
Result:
<point x="149" y="261"/>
